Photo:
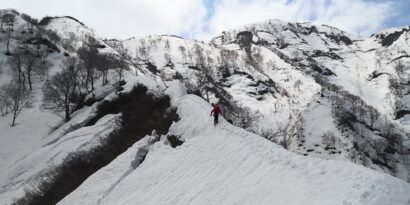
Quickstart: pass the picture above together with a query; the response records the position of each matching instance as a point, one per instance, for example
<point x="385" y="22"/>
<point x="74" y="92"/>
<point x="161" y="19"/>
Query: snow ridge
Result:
<point x="227" y="165"/>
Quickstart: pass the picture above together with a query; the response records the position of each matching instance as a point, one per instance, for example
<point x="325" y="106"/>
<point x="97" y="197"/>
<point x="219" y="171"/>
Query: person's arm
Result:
<point x="212" y="111"/>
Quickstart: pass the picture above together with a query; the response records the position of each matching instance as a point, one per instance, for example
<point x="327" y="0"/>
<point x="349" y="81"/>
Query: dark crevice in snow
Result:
<point x="105" y="108"/>
<point x="401" y="113"/>
<point x="375" y="75"/>
<point x="141" y="114"/>
<point x="174" y="141"/>
<point x="400" y="57"/>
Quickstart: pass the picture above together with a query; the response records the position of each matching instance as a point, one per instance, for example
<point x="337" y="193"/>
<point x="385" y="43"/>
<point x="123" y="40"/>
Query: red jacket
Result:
<point x="216" y="110"/>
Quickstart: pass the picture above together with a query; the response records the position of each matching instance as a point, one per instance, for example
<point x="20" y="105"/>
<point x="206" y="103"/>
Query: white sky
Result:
<point x="205" y="18"/>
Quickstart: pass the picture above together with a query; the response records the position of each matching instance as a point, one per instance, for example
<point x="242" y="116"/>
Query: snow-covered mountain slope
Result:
<point x="280" y="71"/>
<point x="224" y="164"/>
<point x="74" y="30"/>
<point x="315" y="90"/>
<point x="16" y="143"/>
<point x="24" y="154"/>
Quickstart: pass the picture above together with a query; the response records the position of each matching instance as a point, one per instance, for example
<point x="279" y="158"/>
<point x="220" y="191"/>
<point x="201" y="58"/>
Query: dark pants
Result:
<point x="216" y="115"/>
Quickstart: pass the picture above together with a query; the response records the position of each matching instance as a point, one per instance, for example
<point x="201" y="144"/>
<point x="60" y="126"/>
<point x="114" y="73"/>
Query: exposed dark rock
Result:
<point x="401" y="113"/>
<point x="339" y="38"/>
<point x="152" y="68"/>
<point x="375" y="75"/>
<point x="237" y="72"/>
<point x="174" y="141"/>
<point x="322" y="71"/>
<point x="193" y="67"/>
<point x="225" y="72"/>
<point x="318" y="53"/>
<point x="388" y="40"/>
<point x="244" y="40"/>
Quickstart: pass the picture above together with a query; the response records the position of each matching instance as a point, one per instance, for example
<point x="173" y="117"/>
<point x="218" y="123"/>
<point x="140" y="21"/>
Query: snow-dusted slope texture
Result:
<point x="224" y="164"/>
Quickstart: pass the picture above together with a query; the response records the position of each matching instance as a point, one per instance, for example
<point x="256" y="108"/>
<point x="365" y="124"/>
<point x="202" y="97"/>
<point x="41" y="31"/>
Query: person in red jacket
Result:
<point x="216" y="111"/>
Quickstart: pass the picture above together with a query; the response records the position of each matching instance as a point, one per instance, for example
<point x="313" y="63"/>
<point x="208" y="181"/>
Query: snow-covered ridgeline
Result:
<point x="224" y="164"/>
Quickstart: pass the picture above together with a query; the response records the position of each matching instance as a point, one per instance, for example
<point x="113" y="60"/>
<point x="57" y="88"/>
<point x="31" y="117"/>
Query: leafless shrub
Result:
<point x="329" y="140"/>
<point x="17" y="98"/>
<point x="58" y="91"/>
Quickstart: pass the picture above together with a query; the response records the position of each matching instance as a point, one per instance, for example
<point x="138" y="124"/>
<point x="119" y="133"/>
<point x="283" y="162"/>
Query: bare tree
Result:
<point x="247" y="117"/>
<point x="297" y="84"/>
<point x="167" y="45"/>
<point x="120" y="72"/>
<point x="119" y="69"/>
<point x="257" y="60"/>
<point x="123" y="51"/>
<point x="204" y="81"/>
<point x="228" y="57"/>
<point x="31" y="63"/>
<point x="68" y="43"/>
<point x="16" y="63"/>
<point x="44" y="68"/>
<point x="299" y="128"/>
<point x="41" y="29"/>
<point x="109" y="62"/>
<point x="399" y="67"/>
<point x="281" y="43"/>
<point x="199" y="55"/>
<point x="104" y="63"/>
<point x="329" y="140"/>
<point x="57" y="93"/>
<point x="18" y="98"/>
<point x="31" y="22"/>
<point x="183" y="52"/>
<point x="395" y="87"/>
<point x="167" y="57"/>
<point x="374" y="116"/>
<point x="142" y="50"/>
<point x="4" y="101"/>
<point x="8" y="38"/>
<point x="276" y="105"/>
<point x="8" y="19"/>
<point x="2" y="23"/>
<point x="122" y="64"/>
<point x="88" y="53"/>
<point x="282" y="133"/>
